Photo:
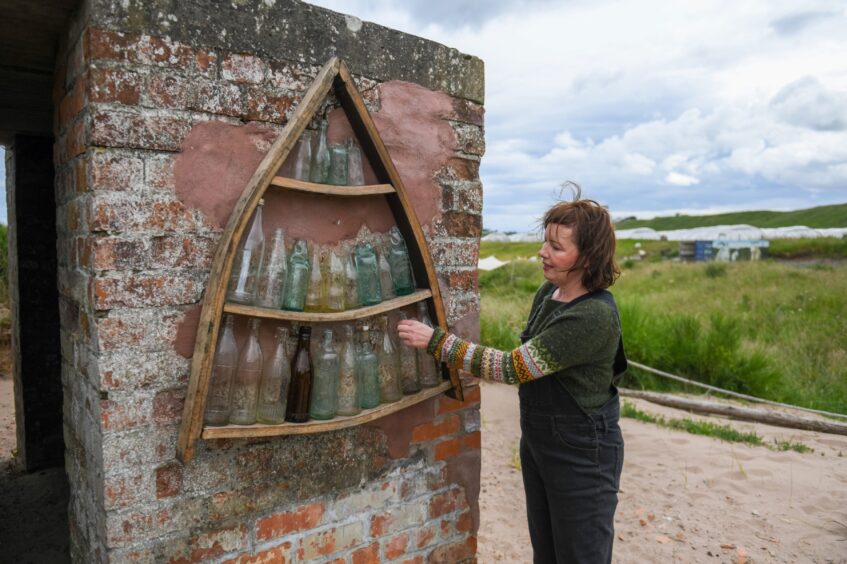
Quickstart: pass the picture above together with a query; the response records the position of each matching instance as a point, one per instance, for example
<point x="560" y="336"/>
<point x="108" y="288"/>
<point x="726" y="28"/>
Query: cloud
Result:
<point x="797" y="22"/>
<point x="679" y="179"/>
<point x="807" y="103"/>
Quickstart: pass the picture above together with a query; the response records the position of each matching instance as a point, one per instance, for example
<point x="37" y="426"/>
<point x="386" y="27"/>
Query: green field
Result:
<point x="770" y="329"/>
<point x="819" y="217"/>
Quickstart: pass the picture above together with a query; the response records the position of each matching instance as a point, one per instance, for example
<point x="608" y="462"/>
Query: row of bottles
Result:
<point x="328" y="281"/>
<point x="369" y="369"/>
<point x="315" y="160"/>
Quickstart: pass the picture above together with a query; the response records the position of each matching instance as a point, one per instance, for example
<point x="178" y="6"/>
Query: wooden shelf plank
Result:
<point x="315" y="317"/>
<point x="259" y="430"/>
<point x="331" y="189"/>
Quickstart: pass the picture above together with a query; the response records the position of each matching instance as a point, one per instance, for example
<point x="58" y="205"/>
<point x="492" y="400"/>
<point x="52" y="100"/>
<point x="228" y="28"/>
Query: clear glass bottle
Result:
<point x="398" y="260"/>
<point x="351" y="284"/>
<point x="410" y="382"/>
<point x="320" y="158"/>
<point x="314" y="297"/>
<point x="335" y="284"/>
<point x="348" y="382"/>
<point x="244" y="275"/>
<point x="367" y="366"/>
<point x="276" y="376"/>
<point x="338" y="165"/>
<point x="274" y="266"/>
<point x="367" y="270"/>
<point x="245" y="387"/>
<point x="324" y="398"/>
<point x="430" y="373"/>
<point x="355" y="174"/>
<point x="219" y="400"/>
<point x="297" y="278"/>
<point x="385" y="282"/>
<point x="303" y="159"/>
<point x="297" y="409"/>
<point x="389" y="365"/>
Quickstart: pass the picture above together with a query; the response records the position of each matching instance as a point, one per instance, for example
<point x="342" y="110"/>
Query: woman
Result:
<point x="571" y="357"/>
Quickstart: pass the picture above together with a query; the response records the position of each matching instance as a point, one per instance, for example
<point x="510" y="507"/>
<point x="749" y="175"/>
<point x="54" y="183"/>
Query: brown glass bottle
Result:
<point x="297" y="410"/>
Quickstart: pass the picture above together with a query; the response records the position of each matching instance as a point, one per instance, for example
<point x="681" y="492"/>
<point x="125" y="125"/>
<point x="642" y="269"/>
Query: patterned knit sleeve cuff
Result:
<point x="436" y="342"/>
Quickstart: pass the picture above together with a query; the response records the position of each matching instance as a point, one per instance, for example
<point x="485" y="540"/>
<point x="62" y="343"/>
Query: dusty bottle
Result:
<point x="389" y="365"/>
<point x="355" y="175"/>
<point x="244" y="275"/>
<point x="274" y="267"/>
<point x="427" y="367"/>
<point x="348" y="383"/>
<point x="338" y="165"/>
<point x="276" y="376"/>
<point x="303" y="159"/>
<point x="367" y="366"/>
<point x="367" y="270"/>
<point x="320" y="158"/>
<point x="324" y="398"/>
<point x="398" y="260"/>
<point x="297" y="410"/>
<point x="335" y="283"/>
<point x="218" y="402"/>
<point x="385" y="282"/>
<point x="297" y="278"/>
<point x="245" y="387"/>
<point x="314" y="296"/>
<point x="351" y="284"/>
<point x="409" y="380"/>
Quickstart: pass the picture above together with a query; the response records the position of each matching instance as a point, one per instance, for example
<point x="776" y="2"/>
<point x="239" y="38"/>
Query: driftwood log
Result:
<point x="741" y="413"/>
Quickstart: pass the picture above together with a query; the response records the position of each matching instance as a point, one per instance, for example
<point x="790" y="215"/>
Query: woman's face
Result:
<point x="559" y="254"/>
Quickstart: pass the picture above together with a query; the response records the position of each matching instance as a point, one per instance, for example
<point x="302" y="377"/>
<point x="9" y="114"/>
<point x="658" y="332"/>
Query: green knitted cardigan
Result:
<point x="577" y="344"/>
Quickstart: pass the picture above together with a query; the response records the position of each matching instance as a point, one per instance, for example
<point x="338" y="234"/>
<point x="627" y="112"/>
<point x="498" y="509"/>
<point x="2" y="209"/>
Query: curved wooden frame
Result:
<point x="333" y="75"/>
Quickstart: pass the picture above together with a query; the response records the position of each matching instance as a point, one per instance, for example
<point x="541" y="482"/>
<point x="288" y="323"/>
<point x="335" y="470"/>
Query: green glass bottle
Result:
<point x="367" y="270"/>
<point x="297" y="277"/>
<point x="276" y="376"/>
<point x="348" y="378"/>
<point x="324" y="400"/>
<point x="389" y="365"/>
<point x="245" y="387"/>
<point x="367" y="366"/>
<point x="398" y="260"/>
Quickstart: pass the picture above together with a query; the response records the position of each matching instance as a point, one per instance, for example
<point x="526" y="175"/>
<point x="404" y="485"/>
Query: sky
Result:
<point x="655" y="107"/>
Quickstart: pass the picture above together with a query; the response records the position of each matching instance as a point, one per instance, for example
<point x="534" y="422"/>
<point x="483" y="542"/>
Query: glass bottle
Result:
<point x="338" y="165"/>
<point x="297" y="278"/>
<point x="367" y="269"/>
<point x="385" y="282"/>
<point x="276" y="376"/>
<point x="314" y="297"/>
<point x="297" y="410"/>
<point x="351" y="284"/>
<point x="272" y="279"/>
<point x="367" y="366"/>
<point x="320" y="158"/>
<point x="348" y="383"/>
<point x="398" y="260"/>
<point x="335" y="284"/>
<point x="244" y="275"/>
<point x="355" y="174"/>
<point x="429" y="370"/>
<point x="389" y="365"/>
<point x="303" y="159"/>
<point x="324" y="398"/>
<point x="245" y="387"/>
<point x="409" y="379"/>
<point x="219" y="400"/>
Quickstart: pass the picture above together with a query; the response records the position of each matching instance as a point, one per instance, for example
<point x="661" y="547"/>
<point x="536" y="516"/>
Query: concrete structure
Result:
<point x="160" y="112"/>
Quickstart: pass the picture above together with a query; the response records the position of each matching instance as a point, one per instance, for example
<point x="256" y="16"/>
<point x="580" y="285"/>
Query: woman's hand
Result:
<point x="414" y="333"/>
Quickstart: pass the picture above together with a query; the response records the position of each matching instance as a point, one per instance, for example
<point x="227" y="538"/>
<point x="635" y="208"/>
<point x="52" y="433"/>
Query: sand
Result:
<point x="685" y="498"/>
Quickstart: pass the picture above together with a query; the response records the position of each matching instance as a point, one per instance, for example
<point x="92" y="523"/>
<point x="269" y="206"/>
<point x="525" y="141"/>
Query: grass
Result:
<point x="817" y="217"/>
<point x="726" y="433"/>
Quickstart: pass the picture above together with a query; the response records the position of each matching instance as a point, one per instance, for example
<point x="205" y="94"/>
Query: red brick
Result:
<point x="122" y="491"/>
<point x="243" y="68"/>
<point x="219" y="97"/>
<point x="434" y="429"/>
<point x="462" y="169"/>
<point x="71" y="144"/>
<point x="115" y="172"/>
<point x="169" y="91"/>
<point x="468" y="112"/>
<point x="143" y="290"/>
<point x="415" y="560"/>
<point x="446" y="405"/>
<point x="465" y="522"/>
<point x="182" y="252"/>
<point x="168" y="480"/>
<point x="167" y="406"/>
<point x="277" y="555"/>
<point x="107" y="253"/>
<point x="452" y="447"/>
<point x="228" y="504"/>
<point x="464" y="551"/>
<point x="162" y="52"/>
<point x="461" y="224"/>
<point x="126" y="413"/>
<point x="108" y="45"/>
<point x="205" y="61"/>
<point x="367" y="555"/>
<point x="447" y="502"/>
<point x="72" y="103"/>
<point x="396" y="547"/>
<point x="279" y="524"/>
<point x="215" y="543"/>
<point x="463" y="280"/>
<point x="252" y="465"/>
<point x="114" y="86"/>
<point x="132" y="212"/>
<point x="268" y="106"/>
<point x="159" y="172"/>
<point x="426" y="536"/>
<point x="121" y="128"/>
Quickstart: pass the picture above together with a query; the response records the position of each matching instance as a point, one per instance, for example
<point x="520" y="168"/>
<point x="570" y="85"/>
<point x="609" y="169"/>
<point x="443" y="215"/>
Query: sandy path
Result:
<point x="685" y="498"/>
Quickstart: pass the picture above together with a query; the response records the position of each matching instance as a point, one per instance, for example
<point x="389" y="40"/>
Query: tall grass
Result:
<point x="773" y="330"/>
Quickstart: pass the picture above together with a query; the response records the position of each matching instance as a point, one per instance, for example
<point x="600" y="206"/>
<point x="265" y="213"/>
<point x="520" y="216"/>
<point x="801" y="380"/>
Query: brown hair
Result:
<point x="593" y="234"/>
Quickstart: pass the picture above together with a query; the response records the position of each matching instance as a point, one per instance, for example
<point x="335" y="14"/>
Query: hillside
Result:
<point x="819" y="217"/>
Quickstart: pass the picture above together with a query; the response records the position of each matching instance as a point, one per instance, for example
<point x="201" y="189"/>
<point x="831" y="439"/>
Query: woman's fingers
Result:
<point x="414" y="333"/>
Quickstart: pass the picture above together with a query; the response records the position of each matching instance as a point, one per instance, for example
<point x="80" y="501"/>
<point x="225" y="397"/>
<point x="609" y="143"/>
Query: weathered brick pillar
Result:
<point x="164" y="111"/>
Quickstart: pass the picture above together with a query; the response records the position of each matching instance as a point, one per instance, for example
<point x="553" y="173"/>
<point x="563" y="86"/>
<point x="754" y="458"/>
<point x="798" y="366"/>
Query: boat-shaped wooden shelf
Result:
<point x="336" y="77"/>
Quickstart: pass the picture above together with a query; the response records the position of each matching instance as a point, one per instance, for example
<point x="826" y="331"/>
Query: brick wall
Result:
<point x="134" y="254"/>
